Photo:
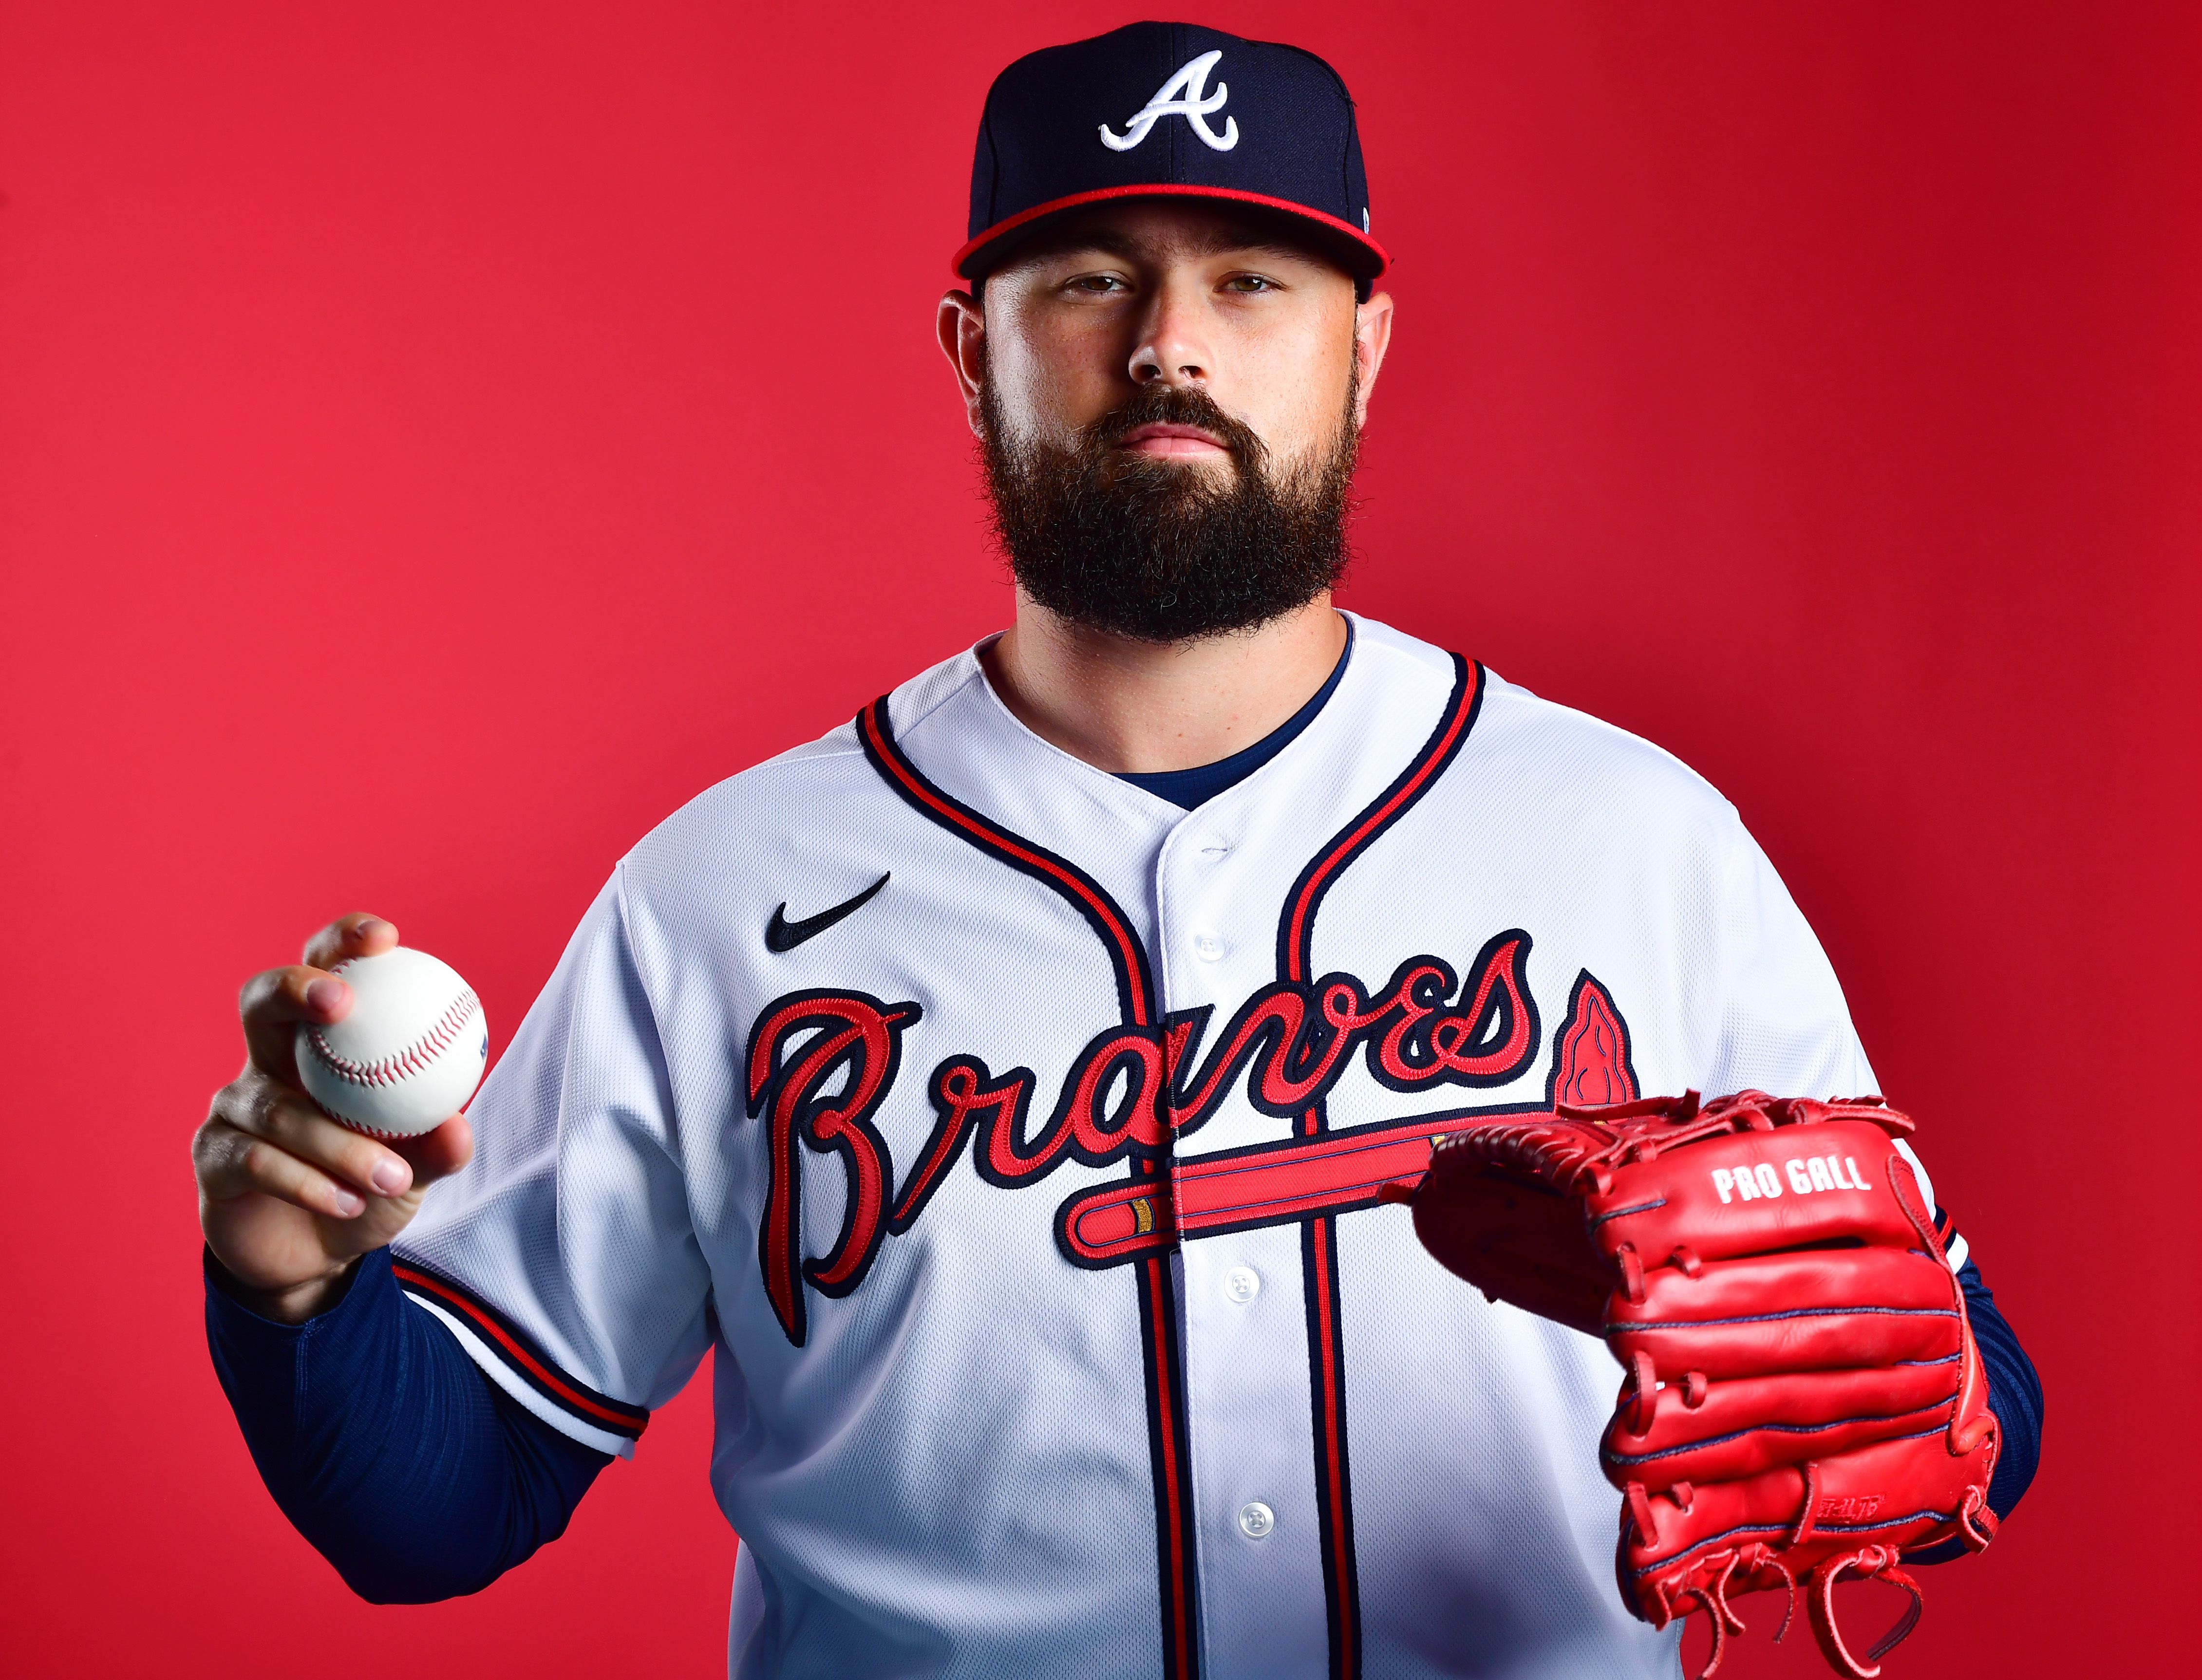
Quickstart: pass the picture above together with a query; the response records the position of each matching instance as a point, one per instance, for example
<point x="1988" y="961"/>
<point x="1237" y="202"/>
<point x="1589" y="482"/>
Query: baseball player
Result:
<point x="1002" y="1086"/>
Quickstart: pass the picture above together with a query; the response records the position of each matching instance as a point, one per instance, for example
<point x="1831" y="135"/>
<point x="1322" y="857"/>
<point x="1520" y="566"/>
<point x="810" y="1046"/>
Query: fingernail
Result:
<point x="389" y="1178"/>
<point x="372" y="925"/>
<point x="325" y="995"/>
<point x="350" y="1202"/>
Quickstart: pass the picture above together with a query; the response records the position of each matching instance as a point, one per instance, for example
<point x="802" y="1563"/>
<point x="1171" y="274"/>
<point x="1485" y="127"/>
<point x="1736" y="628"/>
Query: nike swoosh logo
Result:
<point x="783" y="934"/>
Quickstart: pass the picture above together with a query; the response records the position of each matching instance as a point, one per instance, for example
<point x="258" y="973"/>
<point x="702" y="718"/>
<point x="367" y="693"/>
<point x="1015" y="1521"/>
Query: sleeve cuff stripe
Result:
<point x="1955" y="1248"/>
<point x="513" y="1348"/>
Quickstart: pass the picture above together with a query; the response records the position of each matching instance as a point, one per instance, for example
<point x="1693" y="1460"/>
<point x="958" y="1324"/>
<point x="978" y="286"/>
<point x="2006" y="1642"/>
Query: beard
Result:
<point x="1163" y="551"/>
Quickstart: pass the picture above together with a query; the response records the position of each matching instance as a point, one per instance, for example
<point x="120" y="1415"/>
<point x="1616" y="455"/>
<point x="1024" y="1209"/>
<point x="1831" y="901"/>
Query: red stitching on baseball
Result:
<point x="399" y="1064"/>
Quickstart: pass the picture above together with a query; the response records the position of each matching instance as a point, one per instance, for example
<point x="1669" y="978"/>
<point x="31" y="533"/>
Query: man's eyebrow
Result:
<point x="1215" y="242"/>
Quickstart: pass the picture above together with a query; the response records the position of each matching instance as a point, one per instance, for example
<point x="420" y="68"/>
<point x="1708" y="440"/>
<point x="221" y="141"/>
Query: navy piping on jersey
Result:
<point x="1188" y="789"/>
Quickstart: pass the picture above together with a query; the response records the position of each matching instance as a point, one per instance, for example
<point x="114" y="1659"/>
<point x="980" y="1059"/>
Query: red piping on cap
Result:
<point x="1160" y="189"/>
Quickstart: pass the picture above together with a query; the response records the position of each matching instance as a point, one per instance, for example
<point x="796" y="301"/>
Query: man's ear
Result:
<point x="963" y="324"/>
<point x="1372" y="337"/>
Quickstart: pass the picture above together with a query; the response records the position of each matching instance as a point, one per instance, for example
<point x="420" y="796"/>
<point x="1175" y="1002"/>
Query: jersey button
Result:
<point x="1208" y="947"/>
<point x="1242" y="1284"/>
<point x="1256" y="1519"/>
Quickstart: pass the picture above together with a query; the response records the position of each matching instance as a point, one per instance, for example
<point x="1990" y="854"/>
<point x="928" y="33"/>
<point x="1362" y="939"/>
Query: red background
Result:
<point x="437" y="440"/>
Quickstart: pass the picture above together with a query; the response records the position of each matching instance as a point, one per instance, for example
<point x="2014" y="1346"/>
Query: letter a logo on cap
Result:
<point x="1182" y="96"/>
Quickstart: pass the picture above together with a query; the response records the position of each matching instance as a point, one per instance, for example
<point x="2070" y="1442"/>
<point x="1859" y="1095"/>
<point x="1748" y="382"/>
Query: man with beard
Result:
<point x="1002" y="1086"/>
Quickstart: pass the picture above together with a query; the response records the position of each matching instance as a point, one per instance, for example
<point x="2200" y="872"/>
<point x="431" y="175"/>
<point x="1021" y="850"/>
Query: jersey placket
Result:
<point x="1252" y="1403"/>
<point x="1163" y="1341"/>
<point x="1250" y="1417"/>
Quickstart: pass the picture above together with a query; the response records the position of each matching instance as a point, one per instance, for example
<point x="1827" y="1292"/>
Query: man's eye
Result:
<point x="1097" y="283"/>
<point x="1250" y="283"/>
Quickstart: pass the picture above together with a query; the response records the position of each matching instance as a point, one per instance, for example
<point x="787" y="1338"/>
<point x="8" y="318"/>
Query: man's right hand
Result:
<point x="290" y="1200"/>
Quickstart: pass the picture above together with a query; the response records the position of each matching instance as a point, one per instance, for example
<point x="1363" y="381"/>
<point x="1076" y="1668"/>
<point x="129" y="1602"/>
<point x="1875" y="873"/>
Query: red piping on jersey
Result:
<point x="1460" y="710"/>
<point x="1129" y="957"/>
<point x="622" y="1422"/>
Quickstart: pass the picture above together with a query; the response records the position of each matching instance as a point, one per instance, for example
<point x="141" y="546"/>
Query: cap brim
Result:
<point x="1360" y="255"/>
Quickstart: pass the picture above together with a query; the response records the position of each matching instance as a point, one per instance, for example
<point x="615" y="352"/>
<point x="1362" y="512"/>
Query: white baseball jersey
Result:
<point x="1015" y="1138"/>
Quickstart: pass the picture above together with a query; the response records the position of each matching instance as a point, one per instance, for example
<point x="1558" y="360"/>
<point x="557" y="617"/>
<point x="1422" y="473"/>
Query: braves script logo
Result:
<point x="819" y="1063"/>
<point x="1181" y="96"/>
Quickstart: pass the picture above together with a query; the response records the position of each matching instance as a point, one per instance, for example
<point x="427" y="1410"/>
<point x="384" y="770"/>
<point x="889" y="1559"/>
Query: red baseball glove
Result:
<point x="1804" y="1399"/>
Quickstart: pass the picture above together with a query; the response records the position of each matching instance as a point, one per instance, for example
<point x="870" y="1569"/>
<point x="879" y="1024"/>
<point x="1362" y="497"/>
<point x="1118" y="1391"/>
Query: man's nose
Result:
<point x="1173" y="347"/>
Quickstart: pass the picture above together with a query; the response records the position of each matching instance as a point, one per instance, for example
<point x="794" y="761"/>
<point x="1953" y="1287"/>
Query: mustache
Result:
<point x="1175" y="405"/>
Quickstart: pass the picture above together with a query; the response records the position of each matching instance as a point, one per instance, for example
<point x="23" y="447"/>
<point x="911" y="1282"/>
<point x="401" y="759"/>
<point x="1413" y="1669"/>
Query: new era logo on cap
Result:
<point x="1168" y="110"/>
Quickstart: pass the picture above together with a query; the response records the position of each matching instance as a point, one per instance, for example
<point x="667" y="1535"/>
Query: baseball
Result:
<point x="409" y="1054"/>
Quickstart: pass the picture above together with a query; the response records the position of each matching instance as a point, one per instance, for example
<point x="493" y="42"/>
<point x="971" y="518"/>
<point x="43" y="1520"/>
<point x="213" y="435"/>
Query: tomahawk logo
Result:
<point x="1183" y="95"/>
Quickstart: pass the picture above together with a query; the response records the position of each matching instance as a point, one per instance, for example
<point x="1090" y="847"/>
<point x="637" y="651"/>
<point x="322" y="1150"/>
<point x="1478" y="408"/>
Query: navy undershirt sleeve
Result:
<point x="386" y="1445"/>
<point x="2015" y="1397"/>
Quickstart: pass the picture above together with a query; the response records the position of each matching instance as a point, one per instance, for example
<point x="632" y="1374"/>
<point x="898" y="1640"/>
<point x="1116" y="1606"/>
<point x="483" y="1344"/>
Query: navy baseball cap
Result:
<point x="1168" y="110"/>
